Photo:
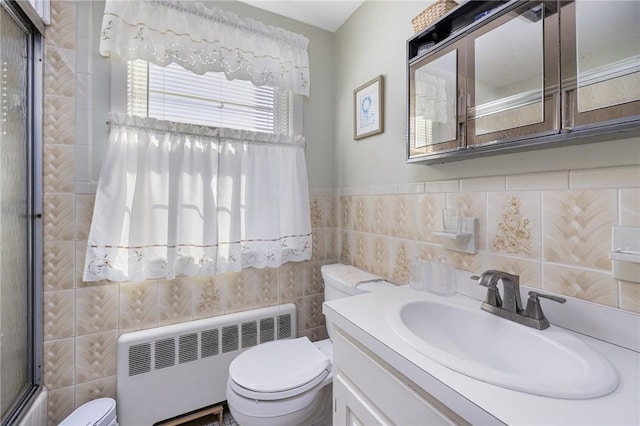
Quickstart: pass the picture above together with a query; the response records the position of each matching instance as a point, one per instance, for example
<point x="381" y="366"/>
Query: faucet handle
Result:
<point x="493" y="295"/>
<point x="533" y="309"/>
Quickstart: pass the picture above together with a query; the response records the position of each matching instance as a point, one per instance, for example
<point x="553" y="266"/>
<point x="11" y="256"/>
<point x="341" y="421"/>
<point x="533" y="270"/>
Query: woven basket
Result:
<point x="432" y="13"/>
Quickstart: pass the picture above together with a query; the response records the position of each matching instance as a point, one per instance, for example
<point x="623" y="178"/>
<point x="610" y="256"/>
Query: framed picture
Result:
<point x="368" y="108"/>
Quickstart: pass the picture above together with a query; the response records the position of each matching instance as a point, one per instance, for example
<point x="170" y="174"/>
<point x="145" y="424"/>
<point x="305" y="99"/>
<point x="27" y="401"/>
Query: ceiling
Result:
<point x="326" y="14"/>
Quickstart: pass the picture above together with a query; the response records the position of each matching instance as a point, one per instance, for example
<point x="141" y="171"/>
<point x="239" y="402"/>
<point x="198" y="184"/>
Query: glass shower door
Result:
<point x="15" y="214"/>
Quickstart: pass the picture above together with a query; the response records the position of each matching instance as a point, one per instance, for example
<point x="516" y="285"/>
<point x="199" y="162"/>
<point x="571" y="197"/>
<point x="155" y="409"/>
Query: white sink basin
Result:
<point x="460" y="336"/>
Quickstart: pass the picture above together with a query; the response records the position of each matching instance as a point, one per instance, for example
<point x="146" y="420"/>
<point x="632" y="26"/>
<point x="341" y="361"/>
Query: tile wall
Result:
<point x="553" y="229"/>
<point x="550" y="228"/>
<point x="82" y="321"/>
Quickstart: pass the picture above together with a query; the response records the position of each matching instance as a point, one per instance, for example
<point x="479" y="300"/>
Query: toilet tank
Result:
<point x="346" y="280"/>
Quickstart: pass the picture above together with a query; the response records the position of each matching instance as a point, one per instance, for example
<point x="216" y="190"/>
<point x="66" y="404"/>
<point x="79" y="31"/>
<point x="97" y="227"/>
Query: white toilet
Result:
<point x="99" y="412"/>
<point x="288" y="382"/>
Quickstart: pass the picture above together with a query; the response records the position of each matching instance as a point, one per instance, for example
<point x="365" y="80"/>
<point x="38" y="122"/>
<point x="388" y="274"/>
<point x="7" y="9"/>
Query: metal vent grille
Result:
<point x="209" y="345"/>
<point x="284" y="326"/>
<point x="165" y="353"/>
<point x="188" y="348"/>
<point x="249" y="334"/>
<point x="267" y="330"/>
<point x="139" y="359"/>
<point x="230" y="339"/>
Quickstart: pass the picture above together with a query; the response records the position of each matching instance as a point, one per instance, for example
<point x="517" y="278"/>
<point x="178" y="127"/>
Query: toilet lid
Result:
<point x="99" y="412"/>
<point x="279" y="366"/>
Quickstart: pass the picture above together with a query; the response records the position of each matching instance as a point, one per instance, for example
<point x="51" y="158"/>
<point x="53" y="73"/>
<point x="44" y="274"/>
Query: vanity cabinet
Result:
<point x="492" y="76"/>
<point x="368" y="391"/>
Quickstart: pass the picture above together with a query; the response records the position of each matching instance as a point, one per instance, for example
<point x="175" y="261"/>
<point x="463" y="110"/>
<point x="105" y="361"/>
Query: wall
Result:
<point x="545" y="215"/>
<point x="386" y="212"/>
<point x="82" y="321"/>
<point x="373" y="42"/>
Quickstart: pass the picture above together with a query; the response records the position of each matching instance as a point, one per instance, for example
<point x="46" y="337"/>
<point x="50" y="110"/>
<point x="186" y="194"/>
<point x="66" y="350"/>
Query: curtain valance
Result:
<point x="202" y="38"/>
<point x="181" y="199"/>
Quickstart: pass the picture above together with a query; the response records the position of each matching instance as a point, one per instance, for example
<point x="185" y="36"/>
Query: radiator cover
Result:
<point x="167" y="371"/>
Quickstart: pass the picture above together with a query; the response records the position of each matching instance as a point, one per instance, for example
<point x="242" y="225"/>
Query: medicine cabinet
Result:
<point x="488" y="77"/>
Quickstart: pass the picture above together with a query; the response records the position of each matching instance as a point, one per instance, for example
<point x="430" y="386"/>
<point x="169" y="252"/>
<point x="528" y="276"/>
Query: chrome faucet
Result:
<point x="510" y="306"/>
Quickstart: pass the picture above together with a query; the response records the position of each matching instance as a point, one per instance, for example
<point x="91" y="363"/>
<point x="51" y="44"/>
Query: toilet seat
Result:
<point x="278" y="370"/>
<point x="99" y="412"/>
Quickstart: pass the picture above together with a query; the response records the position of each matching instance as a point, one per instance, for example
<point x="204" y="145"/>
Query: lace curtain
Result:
<point x="202" y="38"/>
<point x="184" y="199"/>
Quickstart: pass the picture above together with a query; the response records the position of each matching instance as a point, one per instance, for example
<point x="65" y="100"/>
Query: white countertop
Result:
<point x="364" y="317"/>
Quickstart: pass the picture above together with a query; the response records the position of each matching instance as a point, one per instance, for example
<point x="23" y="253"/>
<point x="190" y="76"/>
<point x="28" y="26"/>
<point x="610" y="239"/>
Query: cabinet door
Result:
<point x="436" y="84"/>
<point x="351" y="409"/>
<point x="512" y="71"/>
<point x="600" y="62"/>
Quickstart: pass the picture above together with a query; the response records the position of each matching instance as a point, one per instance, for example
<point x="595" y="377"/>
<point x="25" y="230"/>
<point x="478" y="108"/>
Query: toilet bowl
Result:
<point x="99" y="412"/>
<point x="288" y="382"/>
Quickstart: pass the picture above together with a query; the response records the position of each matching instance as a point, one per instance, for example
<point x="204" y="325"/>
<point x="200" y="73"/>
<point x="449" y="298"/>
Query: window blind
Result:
<point x="174" y="94"/>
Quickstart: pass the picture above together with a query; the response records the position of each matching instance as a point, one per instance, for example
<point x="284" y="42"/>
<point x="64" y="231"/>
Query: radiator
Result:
<point x="167" y="371"/>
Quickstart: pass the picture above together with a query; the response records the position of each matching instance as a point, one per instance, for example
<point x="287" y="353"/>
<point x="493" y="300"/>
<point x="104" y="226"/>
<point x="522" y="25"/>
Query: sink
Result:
<point x="462" y="337"/>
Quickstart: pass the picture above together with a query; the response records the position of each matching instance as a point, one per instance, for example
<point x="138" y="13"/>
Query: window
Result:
<point x="175" y="94"/>
<point x="20" y="226"/>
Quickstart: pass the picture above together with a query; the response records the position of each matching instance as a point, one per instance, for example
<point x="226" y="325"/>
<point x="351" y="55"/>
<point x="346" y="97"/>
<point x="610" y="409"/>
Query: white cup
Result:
<point x="442" y="278"/>
<point x="451" y="220"/>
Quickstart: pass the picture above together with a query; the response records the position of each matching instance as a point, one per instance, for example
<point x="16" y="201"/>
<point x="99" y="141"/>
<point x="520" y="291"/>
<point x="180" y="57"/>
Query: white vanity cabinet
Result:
<point x="368" y="391"/>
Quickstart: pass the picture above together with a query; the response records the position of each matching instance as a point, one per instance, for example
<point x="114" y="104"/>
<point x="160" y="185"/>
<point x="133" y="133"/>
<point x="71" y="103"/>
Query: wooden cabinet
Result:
<point x="367" y="391"/>
<point x="496" y="76"/>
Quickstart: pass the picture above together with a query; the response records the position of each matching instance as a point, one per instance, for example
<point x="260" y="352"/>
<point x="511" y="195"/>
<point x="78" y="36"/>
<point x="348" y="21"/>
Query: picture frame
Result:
<point x="368" y="109"/>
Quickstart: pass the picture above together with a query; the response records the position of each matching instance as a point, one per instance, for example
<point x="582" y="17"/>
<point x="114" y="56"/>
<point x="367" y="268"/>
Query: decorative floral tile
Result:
<point x="379" y="218"/>
<point x="361" y="251"/>
<point x="313" y="283"/>
<point x="207" y="296"/>
<point x="514" y="223"/>
<point x="317" y="213"/>
<point x="379" y="258"/>
<point x="313" y="316"/>
<point x="402" y="216"/>
<point x="345" y="213"/>
<point x="360" y="214"/>
<point x="399" y="253"/>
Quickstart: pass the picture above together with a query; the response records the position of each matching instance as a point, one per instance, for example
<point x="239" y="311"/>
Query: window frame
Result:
<point x="120" y="101"/>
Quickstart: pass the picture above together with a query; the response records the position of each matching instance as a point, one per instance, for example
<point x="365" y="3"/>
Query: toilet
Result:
<point x="288" y="382"/>
<point x="99" y="412"/>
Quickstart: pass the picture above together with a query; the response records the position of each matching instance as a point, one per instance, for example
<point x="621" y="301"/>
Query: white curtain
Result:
<point x="202" y="38"/>
<point x="177" y="199"/>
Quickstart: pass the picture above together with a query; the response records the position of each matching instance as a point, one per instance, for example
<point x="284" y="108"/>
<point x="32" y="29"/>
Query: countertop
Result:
<point x="364" y="317"/>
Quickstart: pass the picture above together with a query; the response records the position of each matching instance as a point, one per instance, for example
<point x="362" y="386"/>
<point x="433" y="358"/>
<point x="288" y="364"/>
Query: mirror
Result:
<point x="434" y="110"/>
<point x="608" y="53"/>
<point x="509" y="74"/>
